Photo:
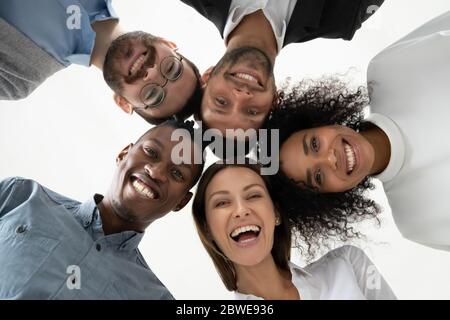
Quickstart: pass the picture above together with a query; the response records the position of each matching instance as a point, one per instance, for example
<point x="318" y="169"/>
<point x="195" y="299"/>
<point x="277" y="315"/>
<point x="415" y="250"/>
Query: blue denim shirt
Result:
<point x="60" y="27"/>
<point x="53" y="247"/>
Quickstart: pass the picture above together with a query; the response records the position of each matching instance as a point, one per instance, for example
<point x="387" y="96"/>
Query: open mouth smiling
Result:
<point x="138" y="63"/>
<point x="245" y="234"/>
<point x="248" y="79"/>
<point x="144" y="189"/>
<point x="350" y="157"/>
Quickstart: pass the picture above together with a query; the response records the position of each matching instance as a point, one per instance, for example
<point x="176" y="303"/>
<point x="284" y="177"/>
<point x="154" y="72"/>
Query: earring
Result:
<point x="277" y="221"/>
<point x="130" y="112"/>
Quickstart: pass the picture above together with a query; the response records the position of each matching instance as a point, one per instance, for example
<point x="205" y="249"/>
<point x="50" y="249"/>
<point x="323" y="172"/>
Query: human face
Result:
<point x="236" y="200"/>
<point x="141" y="61"/>
<point x="239" y="92"/>
<point x="148" y="184"/>
<point x="329" y="159"/>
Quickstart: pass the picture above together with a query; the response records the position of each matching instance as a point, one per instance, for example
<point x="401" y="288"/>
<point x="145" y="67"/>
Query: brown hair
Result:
<point x="281" y="249"/>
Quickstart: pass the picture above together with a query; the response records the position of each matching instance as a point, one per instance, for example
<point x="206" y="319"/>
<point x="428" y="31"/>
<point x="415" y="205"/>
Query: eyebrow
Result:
<point x="253" y="185"/>
<point x="227" y="192"/>
<point x="157" y="142"/>
<point x="305" y="145"/>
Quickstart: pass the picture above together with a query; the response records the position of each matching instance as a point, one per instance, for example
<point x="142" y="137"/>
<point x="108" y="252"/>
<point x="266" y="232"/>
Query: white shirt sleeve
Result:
<point x="371" y="282"/>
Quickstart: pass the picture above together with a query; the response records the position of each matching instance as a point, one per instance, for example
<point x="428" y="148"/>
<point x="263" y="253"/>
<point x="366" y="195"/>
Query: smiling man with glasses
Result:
<point x="39" y="40"/>
<point x="145" y="72"/>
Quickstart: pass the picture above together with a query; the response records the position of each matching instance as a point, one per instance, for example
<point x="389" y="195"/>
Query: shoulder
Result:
<point x="24" y="189"/>
<point x="15" y="183"/>
<point x="344" y="257"/>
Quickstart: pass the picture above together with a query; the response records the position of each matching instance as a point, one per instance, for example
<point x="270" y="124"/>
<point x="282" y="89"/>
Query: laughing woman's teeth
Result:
<point x="351" y="159"/>
<point x="143" y="190"/>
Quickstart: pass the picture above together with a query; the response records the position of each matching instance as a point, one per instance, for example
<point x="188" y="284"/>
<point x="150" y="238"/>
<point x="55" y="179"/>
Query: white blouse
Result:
<point x="345" y="273"/>
<point x="409" y="84"/>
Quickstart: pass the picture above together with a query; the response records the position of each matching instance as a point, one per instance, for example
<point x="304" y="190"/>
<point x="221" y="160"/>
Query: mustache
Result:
<point x="251" y="54"/>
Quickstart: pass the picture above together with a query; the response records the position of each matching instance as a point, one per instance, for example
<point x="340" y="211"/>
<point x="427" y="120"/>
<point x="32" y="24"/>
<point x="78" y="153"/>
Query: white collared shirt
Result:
<point x="277" y="12"/>
<point x="345" y="273"/>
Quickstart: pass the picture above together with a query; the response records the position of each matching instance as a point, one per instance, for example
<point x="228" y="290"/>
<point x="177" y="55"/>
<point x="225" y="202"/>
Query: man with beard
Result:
<point x="240" y="90"/>
<point x="53" y="247"/>
<point x="144" y="71"/>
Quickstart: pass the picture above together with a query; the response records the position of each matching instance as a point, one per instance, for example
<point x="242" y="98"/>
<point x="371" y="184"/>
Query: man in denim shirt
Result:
<point x="53" y="247"/>
<point x="41" y="37"/>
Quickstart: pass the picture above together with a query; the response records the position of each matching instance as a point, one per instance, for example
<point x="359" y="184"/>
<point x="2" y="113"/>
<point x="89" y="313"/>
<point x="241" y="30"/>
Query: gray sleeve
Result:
<point x="23" y="64"/>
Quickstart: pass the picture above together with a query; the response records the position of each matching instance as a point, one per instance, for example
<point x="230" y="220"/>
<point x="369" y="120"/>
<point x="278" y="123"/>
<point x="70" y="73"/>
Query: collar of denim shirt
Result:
<point x="89" y="217"/>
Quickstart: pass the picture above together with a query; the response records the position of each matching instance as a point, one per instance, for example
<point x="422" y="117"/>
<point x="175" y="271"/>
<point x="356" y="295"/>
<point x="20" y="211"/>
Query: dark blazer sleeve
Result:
<point x="332" y="19"/>
<point x="215" y="11"/>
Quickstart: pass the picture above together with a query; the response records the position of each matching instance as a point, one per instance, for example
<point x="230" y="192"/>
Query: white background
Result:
<point x="67" y="133"/>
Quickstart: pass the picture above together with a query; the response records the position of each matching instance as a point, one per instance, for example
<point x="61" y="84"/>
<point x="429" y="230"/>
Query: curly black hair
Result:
<point x="321" y="217"/>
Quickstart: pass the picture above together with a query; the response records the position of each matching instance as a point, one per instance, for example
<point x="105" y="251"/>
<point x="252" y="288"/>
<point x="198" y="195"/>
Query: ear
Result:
<point x="123" y="153"/>
<point x="276" y="100"/>
<point x="206" y="75"/>
<point x="277" y="218"/>
<point x="123" y="103"/>
<point x="169" y="43"/>
<point x="183" y="202"/>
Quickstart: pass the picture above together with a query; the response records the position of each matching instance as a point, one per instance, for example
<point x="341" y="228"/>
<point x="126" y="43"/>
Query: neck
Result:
<point x="106" y="32"/>
<point x="112" y="221"/>
<point x="254" y="30"/>
<point x="266" y="280"/>
<point x="382" y="148"/>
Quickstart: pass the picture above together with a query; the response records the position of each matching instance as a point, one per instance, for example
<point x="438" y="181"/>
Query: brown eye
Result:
<point x="220" y="101"/>
<point x="315" y="145"/>
<point x="177" y="175"/>
<point x="220" y="204"/>
<point x="318" y="177"/>
<point x="152" y="153"/>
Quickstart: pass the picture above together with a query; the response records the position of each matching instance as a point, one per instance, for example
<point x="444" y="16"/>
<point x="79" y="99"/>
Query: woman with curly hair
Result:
<point x="249" y="240"/>
<point x="329" y="152"/>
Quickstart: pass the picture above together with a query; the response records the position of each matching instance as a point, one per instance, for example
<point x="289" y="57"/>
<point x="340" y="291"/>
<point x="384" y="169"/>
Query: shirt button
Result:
<point x="98" y="247"/>
<point x="21" y="229"/>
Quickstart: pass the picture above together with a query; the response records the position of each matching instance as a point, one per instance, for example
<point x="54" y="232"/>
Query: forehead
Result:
<point x="161" y="136"/>
<point x="234" y="179"/>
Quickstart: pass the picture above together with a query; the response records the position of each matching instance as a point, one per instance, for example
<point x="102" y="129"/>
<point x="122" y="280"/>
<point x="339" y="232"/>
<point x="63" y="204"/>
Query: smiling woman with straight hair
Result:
<point x="249" y="240"/>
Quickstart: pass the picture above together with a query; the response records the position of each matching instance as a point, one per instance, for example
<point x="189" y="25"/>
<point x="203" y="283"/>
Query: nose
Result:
<point x="331" y="158"/>
<point x="241" y="210"/>
<point x="149" y="72"/>
<point x="242" y="92"/>
<point x="156" y="172"/>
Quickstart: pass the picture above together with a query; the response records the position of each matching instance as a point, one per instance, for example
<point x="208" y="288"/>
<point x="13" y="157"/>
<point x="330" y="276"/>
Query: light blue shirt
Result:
<point x="60" y="27"/>
<point x="53" y="247"/>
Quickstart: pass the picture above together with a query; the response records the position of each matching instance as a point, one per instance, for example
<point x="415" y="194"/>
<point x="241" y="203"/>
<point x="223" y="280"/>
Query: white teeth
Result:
<point x="143" y="189"/>
<point x="137" y="64"/>
<point x="246" y="76"/>
<point x="243" y="229"/>
<point x="351" y="159"/>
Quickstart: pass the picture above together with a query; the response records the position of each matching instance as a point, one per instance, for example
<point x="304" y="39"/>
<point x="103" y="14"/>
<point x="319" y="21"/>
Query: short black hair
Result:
<point x="189" y="126"/>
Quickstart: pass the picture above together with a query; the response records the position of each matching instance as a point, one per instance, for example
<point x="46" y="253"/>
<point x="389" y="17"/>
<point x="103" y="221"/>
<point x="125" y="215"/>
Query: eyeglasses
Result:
<point x="153" y="94"/>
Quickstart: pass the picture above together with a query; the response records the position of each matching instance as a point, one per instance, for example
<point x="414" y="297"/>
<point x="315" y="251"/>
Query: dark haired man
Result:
<point x="146" y="73"/>
<point x="240" y="90"/>
<point x="53" y="247"/>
